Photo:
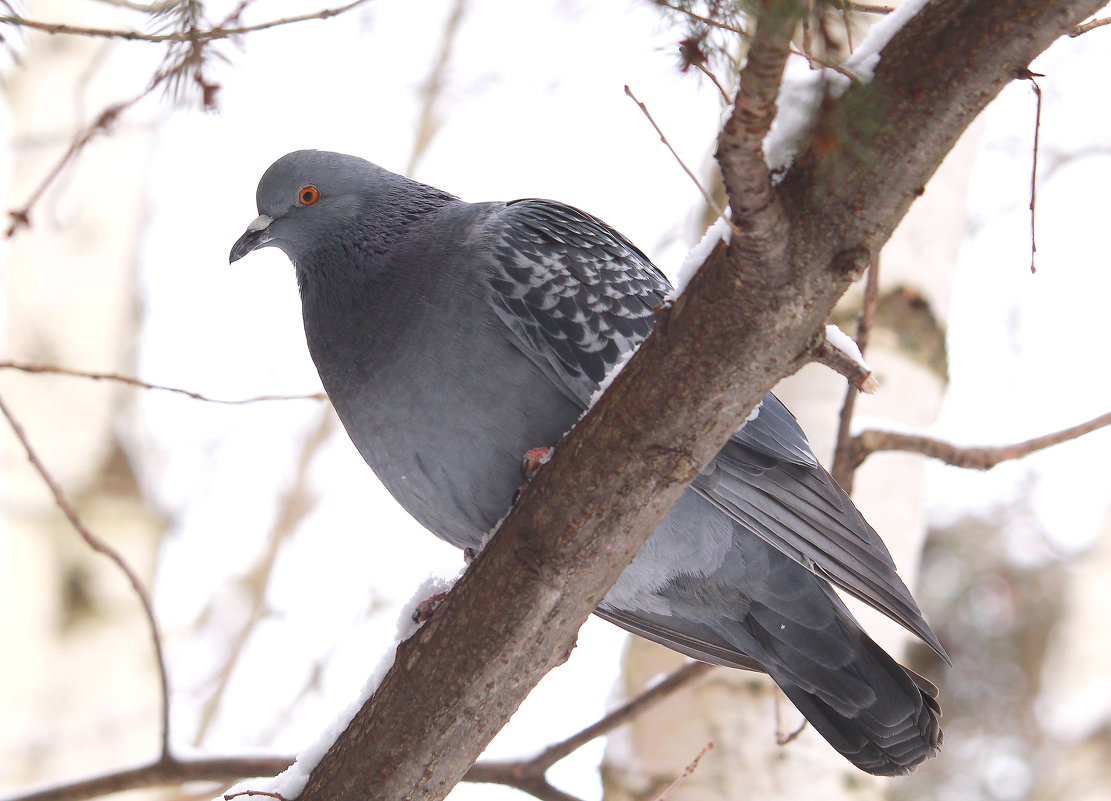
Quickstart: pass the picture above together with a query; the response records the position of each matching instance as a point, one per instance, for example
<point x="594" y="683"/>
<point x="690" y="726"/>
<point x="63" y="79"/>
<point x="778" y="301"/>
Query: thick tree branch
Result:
<point x="759" y="244"/>
<point x="713" y="355"/>
<point x="866" y="443"/>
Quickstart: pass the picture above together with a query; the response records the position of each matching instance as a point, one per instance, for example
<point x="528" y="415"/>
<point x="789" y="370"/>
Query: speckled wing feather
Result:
<point x="579" y="297"/>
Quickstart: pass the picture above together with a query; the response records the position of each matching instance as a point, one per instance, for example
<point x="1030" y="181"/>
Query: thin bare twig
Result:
<point x="782" y="738"/>
<point x="428" y="122"/>
<point x="101" y="547"/>
<point x="146" y="8"/>
<point x="21" y="217"/>
<point x="843" y="469"/>
<point x="212" y="34"/>
<point x="791" y="736"/>
<point x="846" y="20"/>
<point x="867" y="8"/>
<point x="676" y="680"/>
<point x="184" y="61"/>
<point x="746" y="35"/>
<point x="807" y="36"/>
<point x="295" y="503"/>
<point x="687" y="772"/>
<point x="529" y="775"/>
<point x="704" y="20"/>
<point x="165" y="771"/>
<point x="713" y="204"/>
<point x="28" y="367"/>
<point x="506" y="775"/>
<point x="171" y="73"/>
<point x="1030" y="76"/>
<point x="976" y="458"/>
<point x="1089" y="26"/>
<point x="714" y="79"/>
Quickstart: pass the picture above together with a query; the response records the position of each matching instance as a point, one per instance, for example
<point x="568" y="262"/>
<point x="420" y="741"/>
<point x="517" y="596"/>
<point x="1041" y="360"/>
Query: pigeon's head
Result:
<point x="307" y="196"/>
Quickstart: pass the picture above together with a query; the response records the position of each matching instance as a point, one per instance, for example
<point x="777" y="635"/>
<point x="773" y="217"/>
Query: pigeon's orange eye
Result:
<point x="308" y="195"/>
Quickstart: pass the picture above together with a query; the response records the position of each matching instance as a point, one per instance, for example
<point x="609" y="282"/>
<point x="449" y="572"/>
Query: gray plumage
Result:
<point x="453" y="337"/>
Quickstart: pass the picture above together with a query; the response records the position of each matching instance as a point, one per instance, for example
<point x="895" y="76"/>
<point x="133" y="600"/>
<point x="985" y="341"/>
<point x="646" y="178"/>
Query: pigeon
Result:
<point x="453" y="338"/>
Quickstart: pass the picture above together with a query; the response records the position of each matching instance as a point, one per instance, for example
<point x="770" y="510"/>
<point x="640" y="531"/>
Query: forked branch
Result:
<point x="866" y="443"/>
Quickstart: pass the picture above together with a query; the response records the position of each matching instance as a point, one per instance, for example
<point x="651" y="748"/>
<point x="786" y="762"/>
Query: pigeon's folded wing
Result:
<point x="798" y="508"/>
<point x="577" y="296"/>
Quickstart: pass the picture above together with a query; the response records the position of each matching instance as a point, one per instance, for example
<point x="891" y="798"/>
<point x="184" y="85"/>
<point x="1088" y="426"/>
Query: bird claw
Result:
<point x="534" y="459"/>
<point x="426" y="607"/>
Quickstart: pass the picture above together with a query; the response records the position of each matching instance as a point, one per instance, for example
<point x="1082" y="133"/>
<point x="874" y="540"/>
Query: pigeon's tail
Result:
<point x="881" y="716"/>
<point x="886" y="734"/>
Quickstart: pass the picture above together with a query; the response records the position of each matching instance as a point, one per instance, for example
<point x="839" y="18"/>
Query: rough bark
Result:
<point x="740" y="712"/>
<point x="714" y="354"/>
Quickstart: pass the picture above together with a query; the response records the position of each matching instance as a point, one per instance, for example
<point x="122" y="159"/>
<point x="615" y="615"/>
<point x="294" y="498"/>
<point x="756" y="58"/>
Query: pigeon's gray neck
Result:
<point x="383" y="307"/>
<point x="375" y="226"/>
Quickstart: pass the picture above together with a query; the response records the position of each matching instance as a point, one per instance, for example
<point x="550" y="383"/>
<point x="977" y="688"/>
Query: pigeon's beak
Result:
<point x="256" y="236"/>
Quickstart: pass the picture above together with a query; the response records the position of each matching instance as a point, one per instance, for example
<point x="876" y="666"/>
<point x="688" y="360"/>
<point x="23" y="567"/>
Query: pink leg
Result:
<point x="534" y="460"/>
<point x="426" y="607"/>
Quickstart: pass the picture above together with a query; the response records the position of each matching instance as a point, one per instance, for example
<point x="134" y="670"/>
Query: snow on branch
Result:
<point x="838" y="351"/>
<point x="761" y="234"/>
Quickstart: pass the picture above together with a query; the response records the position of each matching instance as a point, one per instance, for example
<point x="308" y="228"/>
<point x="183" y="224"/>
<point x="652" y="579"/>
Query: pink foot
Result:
<point x="534" y="460"/>
<point x="426" y="607"/>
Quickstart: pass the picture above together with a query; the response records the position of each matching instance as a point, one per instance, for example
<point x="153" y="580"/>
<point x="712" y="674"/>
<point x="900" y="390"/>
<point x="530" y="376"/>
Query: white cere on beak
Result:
<point x="260" y="222"/>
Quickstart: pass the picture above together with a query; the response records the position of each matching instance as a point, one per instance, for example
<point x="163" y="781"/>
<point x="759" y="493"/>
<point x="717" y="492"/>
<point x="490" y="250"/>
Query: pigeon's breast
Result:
<point x="447" y="425"/>
<point x="433" y="391"/>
